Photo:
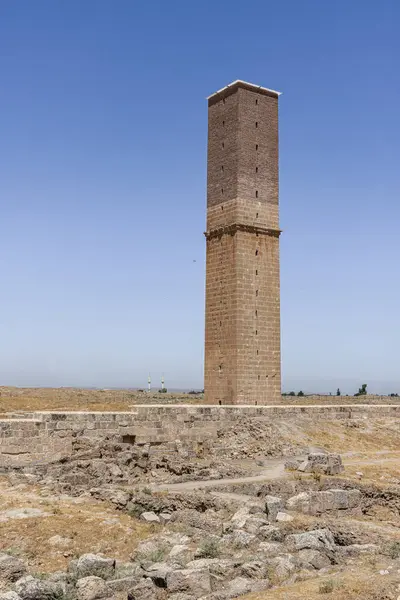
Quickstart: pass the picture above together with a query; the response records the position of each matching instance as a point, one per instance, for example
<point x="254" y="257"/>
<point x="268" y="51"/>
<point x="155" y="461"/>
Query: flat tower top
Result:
<point x="232" y="87"/>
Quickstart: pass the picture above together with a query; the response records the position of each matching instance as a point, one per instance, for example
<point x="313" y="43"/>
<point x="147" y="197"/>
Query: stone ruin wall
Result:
<point x="42" y="437"/>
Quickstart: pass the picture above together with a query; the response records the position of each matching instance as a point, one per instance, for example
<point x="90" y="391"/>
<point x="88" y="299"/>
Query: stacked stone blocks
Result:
<point x="48" y="436"/>
<point x="242" y="347"/>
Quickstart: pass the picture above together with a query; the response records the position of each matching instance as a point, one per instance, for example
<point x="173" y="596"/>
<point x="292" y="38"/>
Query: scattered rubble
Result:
<point x="317" y="503"/>
<point x="112" y="462"/>
<point x="201" y="544"/>
<point x="11" y="568"/>
<point x="224" y="553"/>
<point x="318" y="463"/>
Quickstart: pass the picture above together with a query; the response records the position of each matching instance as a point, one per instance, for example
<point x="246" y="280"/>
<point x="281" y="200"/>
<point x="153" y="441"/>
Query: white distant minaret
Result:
<point x="162" y="382"/>
<point x="149" y="383"/>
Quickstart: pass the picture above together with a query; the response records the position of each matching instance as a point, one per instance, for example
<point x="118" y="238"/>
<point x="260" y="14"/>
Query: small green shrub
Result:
<point x="13" y="551"/>
<point x="393" y="550"/>
<point x="155" y="556"/>
<point x="135" y="510"/>
<point x="40" y="575"/>
<point x="326" y="587"/>
<point x="209" y="549"/>
<point x="68" y="595"/>
<point x="316" y="476"/>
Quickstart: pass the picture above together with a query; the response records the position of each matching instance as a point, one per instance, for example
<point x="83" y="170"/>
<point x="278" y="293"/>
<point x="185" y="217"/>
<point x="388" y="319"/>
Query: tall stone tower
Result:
<point x="242" y="345"/>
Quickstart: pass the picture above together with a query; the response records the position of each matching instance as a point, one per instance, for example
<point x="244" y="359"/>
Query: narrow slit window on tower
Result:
<point x="222" y="208"/>
<point x="256" y="332"/>
<point x="223" y="123"/>
<point x="256" y="271"/>
<point x="256" y="100"/>
<point x="256" y="193"/>
<point x="256" y="124"/>
<point x="256" y="313"/>
<point x="220" y="323"/>
<point x="223" y="145"/>
<point x="257" y="352"/>
<point x="256" y="169"/>
<point x="256" y="146"/>
<point x="258" y="378"/>
<point x="222" y="167"/>
<point x="222" y="190"/>
<point x="256" y="215"/>
<point x="256" y="292"/>
<point x="256" y="252"/>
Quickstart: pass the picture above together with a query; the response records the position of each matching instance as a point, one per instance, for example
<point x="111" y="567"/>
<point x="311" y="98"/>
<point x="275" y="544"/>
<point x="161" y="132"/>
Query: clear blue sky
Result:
<point x="102" y="185"/>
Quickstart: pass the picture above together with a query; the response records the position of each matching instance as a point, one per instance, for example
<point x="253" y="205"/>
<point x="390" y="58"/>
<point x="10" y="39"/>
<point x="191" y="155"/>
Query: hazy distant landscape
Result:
<point x="37" y="399"/>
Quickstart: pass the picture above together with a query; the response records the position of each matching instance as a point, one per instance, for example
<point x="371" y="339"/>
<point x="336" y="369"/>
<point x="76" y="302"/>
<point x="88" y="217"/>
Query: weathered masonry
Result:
<point x="242" y="337"/>
<point x="37" y="438"/>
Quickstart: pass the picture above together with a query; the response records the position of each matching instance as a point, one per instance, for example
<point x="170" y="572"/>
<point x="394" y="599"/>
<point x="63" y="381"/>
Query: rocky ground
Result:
<point x="272" y="513"/>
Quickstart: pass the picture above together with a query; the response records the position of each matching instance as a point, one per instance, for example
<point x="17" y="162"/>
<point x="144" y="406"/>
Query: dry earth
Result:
<point x="63" y="528"/>
<point x="37" y="399"/>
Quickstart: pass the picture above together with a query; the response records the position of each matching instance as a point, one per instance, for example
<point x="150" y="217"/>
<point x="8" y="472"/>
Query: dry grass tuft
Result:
<point x="355" y="436"/>
<point x="359" y="583"/>
<point x="36" y="399"/>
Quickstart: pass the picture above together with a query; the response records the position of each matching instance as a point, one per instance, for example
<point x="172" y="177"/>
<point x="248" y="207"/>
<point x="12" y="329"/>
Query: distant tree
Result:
<point x="394" y="395"/>
<point x="362" y="391"/>
<point x="338" y="392"/>
<point x="301" y="393"/>
<point x="291" y="394"/>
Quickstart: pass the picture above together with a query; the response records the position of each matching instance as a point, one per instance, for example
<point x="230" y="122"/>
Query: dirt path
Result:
<point x="373" y="461"/>
<point x="274" y="470"/>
